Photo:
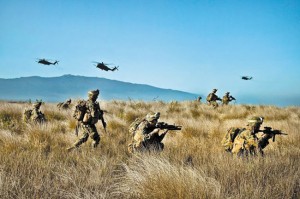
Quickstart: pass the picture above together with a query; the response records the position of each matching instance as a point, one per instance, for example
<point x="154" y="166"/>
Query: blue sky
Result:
<point x="188" y="45"/>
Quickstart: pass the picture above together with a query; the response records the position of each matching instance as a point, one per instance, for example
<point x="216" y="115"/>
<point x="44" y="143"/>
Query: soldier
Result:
<point x="147" y="136"/>
<point x="248" y="142"/>
<point x="212" y="98"/>
<point x="87" y="117"/>
<point x="227" y="98"/>
<point x="64" y="105"/>
<point x="34" y="115"/>
<point x="199" y="99"/>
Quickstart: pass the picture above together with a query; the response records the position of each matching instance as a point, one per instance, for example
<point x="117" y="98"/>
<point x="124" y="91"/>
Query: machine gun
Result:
<point x="269" y="131"/>
<point x="163" y="125"/>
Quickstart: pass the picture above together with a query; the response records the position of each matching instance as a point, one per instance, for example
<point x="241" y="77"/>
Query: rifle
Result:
<point x="232" y="98"/>
<point x="102" y="120"/>
<point x="103" y="124"/>
<point x="163" y="125"/>
<point x="77" y="128"/>
<point x="269" y="131"/>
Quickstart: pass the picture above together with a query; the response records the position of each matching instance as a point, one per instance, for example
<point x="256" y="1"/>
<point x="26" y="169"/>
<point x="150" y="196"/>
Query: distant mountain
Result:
<point x="54" y="89"/>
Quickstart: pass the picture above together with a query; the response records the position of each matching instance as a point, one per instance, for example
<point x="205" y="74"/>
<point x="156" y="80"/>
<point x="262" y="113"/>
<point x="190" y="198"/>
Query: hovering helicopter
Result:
<point x="46" y="62"/>
<point x="104" y="66"/>
<point x="246" y="78"/>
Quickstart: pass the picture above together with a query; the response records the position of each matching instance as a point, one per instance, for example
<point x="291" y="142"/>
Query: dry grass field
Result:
<point x="34" y="162"/>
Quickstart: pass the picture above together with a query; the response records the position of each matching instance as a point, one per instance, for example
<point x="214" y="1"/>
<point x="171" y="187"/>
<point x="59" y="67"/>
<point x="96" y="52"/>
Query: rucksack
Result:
<point x="134" y="125"/>
<point x="208" y="98"/>
<point x="228" y="139"/>
<point x="80" y="110"/>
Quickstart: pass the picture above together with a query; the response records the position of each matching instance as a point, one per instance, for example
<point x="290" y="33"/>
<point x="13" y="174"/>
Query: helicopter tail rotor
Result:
<point x="115" y="68"/>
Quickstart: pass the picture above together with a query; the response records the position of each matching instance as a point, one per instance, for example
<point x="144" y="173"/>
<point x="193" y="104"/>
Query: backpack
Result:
<point x="80" y="110"/>
<point x="228" y="139"/>
<point x="208" y="98"/>
<point x="27" y="115"/>
<point x="134" y="125"/>
<point x="93" y="113"/>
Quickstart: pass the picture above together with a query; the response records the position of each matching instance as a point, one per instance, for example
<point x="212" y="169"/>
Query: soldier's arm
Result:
<point x="153" y="133"/>
<point x="264" y="140"/>
<point x="162" y="136"/>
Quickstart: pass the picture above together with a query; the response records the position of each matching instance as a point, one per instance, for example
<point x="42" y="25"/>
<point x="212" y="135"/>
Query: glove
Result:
<point x="146" y="137"/>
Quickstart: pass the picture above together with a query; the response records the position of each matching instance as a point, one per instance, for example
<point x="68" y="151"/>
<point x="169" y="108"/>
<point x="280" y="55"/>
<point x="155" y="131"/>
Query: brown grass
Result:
<point x="35" y="164"/>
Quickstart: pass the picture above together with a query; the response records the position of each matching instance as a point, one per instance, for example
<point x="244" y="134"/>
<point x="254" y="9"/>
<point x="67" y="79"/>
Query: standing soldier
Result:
<point x="88" y="113"/>
<point x="34" y="115"/>
<point x="227" y="98"/>
<point x="248" y="142"/>
<point x="212" y="98"/>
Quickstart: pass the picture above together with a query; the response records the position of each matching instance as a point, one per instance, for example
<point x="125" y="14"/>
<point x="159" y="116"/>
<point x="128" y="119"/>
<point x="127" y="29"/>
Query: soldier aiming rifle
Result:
<point x="227" y="98"/>
<point x="146" y="134"/>
<point x="248" y="141"/>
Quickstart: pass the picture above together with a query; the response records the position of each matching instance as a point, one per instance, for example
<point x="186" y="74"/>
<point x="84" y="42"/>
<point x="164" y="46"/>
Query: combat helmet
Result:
<point x="227" y="93"/>
<point x="93" y="93"/>
<point x="37" y="104"/>
<point x="152" y="116"/>
<point x="214" y="90"/>
<point x="255" y="120"/>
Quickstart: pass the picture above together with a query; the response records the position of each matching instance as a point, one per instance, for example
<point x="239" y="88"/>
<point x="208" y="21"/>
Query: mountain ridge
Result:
<point x="54" y="89"/>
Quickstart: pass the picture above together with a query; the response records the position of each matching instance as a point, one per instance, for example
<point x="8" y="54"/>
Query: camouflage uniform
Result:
<point x="91" y="116"/>
<point x="247" y="142"/>
<point x="212" y="99"/>
<point x="227" y="98"/>
<point x="34" y="115"/>
<point x="147" y="136"/>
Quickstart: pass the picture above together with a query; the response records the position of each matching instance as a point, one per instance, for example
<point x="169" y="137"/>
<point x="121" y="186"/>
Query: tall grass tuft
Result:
<point x="151" y="176"/>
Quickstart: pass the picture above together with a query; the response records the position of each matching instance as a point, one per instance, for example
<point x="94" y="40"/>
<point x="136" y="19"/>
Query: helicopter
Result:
<point x="46" y="62"/>
<point x="104" y="66"/>
<point x="246" y="78"/>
